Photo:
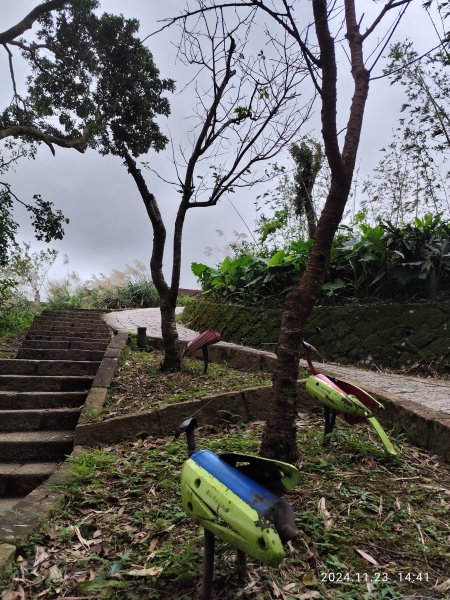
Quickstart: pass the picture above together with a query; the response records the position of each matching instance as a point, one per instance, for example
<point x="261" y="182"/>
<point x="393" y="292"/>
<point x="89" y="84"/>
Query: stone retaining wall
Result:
<point x="397" y="336"/>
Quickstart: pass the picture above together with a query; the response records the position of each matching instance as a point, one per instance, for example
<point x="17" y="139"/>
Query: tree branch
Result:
<point x="329" y="86"/>
<point x="28" y="21"/>
<point x="387" y="7"/>
<point x="159" y="230"/>
<point x="79" y="143"/>
<point x="199" y="147"/>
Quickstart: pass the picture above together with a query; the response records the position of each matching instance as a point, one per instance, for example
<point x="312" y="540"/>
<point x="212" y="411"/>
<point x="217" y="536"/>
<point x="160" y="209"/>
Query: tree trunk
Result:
<point x="279" y="438"/>
<point x="168" y="296"/>
<point x="310" y="218"/>
<point x="172" y="354"/>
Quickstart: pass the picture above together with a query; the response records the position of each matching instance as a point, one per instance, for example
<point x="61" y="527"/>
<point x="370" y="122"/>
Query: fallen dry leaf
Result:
<point x="55" y="574"/>
<point x="12" y="595"/>
<point x="367" y="557"/>
<point x="444" y="586"/>
<point x="322" y="510"/>
<point x="309" y="595"/>
<point x="153" y="572"/>
<point x="40" y="555"/>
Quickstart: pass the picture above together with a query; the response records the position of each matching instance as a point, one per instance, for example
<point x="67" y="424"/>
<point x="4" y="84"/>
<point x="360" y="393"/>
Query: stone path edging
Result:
<point x="421" y="424"/>
<point x="248" y="404"/>
<point x="97" y="394"/>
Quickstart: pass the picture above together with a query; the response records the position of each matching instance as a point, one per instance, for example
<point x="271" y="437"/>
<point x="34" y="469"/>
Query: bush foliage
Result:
<point x="382" y="261"/>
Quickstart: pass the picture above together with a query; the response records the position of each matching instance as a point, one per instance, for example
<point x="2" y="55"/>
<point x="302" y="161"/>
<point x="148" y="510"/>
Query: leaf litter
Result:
<point x="122" y="534"/>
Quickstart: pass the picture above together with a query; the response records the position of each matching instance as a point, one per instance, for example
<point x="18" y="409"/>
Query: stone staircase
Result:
<point x="42" y="392"/>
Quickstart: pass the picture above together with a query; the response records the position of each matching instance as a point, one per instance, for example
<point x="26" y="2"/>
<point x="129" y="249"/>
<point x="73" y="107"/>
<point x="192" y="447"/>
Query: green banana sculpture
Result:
<point x="344" y="399"/>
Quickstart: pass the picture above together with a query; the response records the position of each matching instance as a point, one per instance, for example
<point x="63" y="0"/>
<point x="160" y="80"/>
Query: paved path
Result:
<point x="430" y="393"/>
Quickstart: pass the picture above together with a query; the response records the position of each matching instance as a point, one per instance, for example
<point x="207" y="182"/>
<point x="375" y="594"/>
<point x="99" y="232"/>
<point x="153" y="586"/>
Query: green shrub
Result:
<point x="184" y="300"/>
<point x="140" y="293"/>
<point x="16" y="312"/>
<point x="66" y="302"/>
<point x="381" y="261"/>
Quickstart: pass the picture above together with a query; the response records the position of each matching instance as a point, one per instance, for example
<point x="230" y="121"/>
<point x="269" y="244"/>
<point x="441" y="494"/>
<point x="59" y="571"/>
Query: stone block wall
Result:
<point x="401" y="337"/>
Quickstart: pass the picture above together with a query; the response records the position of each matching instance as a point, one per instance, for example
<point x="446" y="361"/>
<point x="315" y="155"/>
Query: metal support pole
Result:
<point x="241" y="566"/>
<point x="205" y="358"/>
<point x="208" y="568"/>
<point x="330" y="418"/>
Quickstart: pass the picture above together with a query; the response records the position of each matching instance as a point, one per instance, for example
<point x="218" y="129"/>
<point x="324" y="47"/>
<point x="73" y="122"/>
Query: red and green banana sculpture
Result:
<point x="345" y="400"/>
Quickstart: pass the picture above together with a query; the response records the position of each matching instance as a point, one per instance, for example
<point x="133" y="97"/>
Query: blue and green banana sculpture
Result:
<point x="345" y="400"/>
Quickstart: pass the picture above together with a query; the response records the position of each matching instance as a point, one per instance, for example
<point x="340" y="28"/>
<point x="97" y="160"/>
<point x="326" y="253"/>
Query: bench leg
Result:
<point x="208" y="568"/>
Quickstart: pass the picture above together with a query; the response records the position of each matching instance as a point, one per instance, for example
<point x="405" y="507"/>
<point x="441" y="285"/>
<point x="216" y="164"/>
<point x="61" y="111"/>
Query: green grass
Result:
<point x="122" y="533"/>
<point x="140" y="384"/>
<point x="14" y="322"/>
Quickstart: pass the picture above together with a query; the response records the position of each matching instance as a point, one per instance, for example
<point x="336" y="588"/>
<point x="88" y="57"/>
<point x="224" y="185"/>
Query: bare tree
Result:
<point x="247" y="110"/>
<point x="335" y="25"/>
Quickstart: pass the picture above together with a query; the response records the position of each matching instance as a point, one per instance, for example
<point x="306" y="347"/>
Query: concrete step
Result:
<point x="95" y="332"/>
<point x="50" y="419"/>
<point x="51" y="322"/>
<point x="63" y="318"/>
<point x="19" y="366"/>
<point x="43" y="334"/>
<point x="45" y="446"/>
<point x="19" y="479"/>
<point x="36" y="400"/>
<point x="67" y="344"/>
<point x="72" y="314"/>
<point x="7" y="503"/>
<point x="44" y="383"/>
<point x="60" y="354"/>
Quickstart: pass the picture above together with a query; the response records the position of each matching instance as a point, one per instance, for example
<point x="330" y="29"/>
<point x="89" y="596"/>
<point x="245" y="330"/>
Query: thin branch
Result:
<point x="11" y="71"/>
<point x="4" y="164"/>
<point x="399" y="18"/>
<point x="406" y="65"/>
<point x="193" y="13"/>
<point x="8" y="187"/>
<point x="389" y="6"/>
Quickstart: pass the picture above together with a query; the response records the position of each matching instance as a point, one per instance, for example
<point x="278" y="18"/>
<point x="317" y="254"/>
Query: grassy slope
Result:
<point x="140" y="385"/>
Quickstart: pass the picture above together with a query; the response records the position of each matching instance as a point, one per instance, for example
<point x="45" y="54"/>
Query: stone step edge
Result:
<point x="38" y="419"/>
<point x="25" y="518"/>
<point x="23" y="411"/>
<point x="19" y="479"/>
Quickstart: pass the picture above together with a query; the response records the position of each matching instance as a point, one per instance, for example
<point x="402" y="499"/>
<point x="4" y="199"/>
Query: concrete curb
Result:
<point x="24" y="519"/>
<point x="105" y="373"/>
<point x="421" y="425"/>
<point x="248" y="404"/>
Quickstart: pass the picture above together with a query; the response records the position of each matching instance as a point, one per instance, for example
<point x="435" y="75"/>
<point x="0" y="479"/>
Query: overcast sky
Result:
<point x="108" y="226"/>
